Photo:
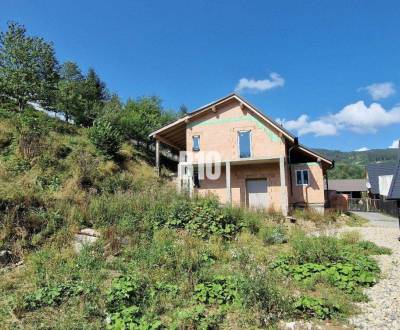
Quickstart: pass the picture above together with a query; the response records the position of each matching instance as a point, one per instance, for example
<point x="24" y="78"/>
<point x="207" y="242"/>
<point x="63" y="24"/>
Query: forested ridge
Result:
<point x="351" y="164"/>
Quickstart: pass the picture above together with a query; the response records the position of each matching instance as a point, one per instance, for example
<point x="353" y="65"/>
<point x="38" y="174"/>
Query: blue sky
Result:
<point x="328" y="69"/>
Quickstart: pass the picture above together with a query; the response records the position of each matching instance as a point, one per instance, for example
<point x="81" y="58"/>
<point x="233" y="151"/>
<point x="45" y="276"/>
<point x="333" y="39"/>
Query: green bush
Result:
<point x="274" y="235"/>
<point x="353" y="273"/>
<point x="54" y="295"/>
<point x="126" y="301"/>
<point x="126" y="291"/>
<point x="316" y="249"/>
<point x="260" y="292"/>
<point x="105" y="137"/>
<point x="220" y="290"/>
<point x="317" y="307"/>
<point x="371" y="248"/>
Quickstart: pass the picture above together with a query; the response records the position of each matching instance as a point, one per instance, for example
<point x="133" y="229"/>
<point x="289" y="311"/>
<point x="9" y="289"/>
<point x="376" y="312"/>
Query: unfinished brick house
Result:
<point x="262" y="165"/>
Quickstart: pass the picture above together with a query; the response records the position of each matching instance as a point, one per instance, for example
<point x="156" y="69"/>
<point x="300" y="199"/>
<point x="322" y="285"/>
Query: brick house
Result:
<point x="261" y="164"/>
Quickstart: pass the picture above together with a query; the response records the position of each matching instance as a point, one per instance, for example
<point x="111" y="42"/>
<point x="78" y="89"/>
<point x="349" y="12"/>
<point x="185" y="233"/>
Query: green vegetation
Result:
<point x="163" y="260"/>
<point x="351" y="165"/>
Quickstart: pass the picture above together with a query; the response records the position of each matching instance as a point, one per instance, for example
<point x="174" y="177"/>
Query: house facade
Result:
<point x="234" y="151"/>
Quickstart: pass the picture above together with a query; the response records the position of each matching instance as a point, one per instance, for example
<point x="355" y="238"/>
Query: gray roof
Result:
<point x="394" y="191"/>
<point x="376" y="170"/>
<point x="348" y="185"/>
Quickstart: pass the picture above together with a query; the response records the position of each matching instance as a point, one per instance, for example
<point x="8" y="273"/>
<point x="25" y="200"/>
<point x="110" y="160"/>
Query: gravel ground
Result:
<point x="383" y="309"/>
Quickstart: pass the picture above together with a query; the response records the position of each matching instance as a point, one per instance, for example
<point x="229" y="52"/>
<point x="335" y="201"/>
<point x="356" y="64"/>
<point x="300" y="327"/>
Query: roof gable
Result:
<point x="261" y="117"/>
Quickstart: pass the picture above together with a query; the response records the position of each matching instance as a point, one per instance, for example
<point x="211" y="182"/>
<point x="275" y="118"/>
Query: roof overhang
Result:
<point x="174" y="133"/>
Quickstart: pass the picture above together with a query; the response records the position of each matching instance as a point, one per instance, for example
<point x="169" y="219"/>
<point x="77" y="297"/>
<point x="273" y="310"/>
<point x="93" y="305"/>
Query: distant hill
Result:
<point x="351" y="164"/>
<point x="360" y="157"/>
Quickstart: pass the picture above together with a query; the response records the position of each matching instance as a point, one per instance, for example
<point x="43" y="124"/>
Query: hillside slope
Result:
<point x="162" y="261"/>
<point x="360" y="157"/>
<point x="351" y="165"/>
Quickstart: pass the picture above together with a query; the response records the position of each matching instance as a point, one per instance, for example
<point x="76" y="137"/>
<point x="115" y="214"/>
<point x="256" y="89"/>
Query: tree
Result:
<point x="69" y="99"/>
<point x="112" y="110"/>
<point x="28" y="67"/>
<point x="94" y="94"/>
<point x="140" y="117"/>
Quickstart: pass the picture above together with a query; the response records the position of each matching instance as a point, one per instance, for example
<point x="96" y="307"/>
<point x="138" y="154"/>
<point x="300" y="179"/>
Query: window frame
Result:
<point x="198" y="137"/>
<point x="302" y="177"/>
<point x="250" y="142"/>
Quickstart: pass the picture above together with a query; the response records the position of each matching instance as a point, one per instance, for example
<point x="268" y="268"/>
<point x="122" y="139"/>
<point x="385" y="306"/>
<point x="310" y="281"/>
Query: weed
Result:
<point x="317" y="307"/>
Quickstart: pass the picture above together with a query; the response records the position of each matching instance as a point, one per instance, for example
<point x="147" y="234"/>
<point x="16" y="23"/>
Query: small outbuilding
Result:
<point x="354" y="188"/>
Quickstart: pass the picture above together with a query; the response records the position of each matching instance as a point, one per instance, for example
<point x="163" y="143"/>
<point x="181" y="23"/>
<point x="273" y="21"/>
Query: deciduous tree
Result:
<point x="28" y="67"/>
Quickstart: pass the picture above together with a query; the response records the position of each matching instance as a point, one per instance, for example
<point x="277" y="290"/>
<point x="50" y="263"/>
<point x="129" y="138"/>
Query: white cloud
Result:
<point x="380" y="91"/>
<point x="356" y="117"/>
<point x="361" y="118"/>
<point x="303" y="126"/>
<point x="395" y="144"/>
<point x="256" y="86"/>
<point x="362" y="149"/>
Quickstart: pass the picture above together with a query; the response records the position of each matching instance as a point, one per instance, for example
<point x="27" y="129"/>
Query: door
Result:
<point x="256" y="193"/>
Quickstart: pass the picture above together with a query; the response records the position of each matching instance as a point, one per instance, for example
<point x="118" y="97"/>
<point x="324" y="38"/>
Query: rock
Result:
<point x="89" y="232"/>
<point x="5" y="257"/>
<point x="85" y="236"/>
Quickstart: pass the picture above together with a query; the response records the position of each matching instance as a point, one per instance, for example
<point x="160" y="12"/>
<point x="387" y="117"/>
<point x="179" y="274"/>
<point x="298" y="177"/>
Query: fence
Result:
<point x="373" y="205"/>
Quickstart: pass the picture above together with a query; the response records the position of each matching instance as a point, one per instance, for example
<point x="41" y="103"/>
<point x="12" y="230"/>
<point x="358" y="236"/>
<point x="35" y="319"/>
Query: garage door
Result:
<point x="257" y="193"/>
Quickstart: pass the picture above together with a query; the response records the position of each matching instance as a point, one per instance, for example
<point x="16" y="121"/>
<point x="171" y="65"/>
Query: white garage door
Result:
<point x="257" y="193"/>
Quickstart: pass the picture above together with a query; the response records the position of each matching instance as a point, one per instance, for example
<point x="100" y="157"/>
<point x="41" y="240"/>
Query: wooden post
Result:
<point x="228" y="183"/>
<point x="158" y="156"/>
<point x="284" y="193"/>
<point x="189" y="174"/>
<point x="179" y="179"/>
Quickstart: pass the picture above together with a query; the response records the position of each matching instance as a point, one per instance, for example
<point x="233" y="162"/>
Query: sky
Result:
<point x="327" y="70"/>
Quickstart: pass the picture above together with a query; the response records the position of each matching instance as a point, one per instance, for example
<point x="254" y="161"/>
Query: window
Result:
<point x="302" y="178"/>
<point x="244" y="144"/>
<point x="196" y="142"/>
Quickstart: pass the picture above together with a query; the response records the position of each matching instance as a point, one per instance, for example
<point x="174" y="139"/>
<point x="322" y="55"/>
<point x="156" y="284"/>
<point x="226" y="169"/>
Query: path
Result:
<point x="382" y="311"/>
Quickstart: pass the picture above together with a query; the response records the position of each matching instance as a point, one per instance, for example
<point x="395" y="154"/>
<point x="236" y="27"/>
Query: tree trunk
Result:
<point x="21" y="105"/>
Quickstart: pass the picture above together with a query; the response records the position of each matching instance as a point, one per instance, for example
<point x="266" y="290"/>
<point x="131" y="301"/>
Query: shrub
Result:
<point x="315" y="249"/>
<point x="274" y="235"/>
<point x="350" y="237"/>
<point x="220" y="290"/>
<point x="6" y="138"/>
<point x="32" y="130"/>
<point x="259" y="291"/>
<point x="105" y="137"/>
<point x="53" y="295"/>
<point x="370" y="248"/>
<point x="317" y="307"/>
<point x="351" y="274"/>
<point x="126" y="300"/>
<point x="128" y="290"/>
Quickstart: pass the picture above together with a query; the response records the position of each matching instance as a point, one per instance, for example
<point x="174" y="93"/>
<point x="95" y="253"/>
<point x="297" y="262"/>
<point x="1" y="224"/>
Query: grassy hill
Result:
<point x="162" y="261"/>
<point x="351" y="164"/>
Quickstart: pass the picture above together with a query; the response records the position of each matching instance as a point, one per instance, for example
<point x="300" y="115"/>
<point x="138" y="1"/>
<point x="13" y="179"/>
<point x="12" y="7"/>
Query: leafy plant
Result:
<point x="105" y="137"/>
<point x="275" y="235"/>
<point x="349" y="275"/>
<point x="53" y="295"/>
<point x="220" y="290"/>
<point x="126" y="291"/>
<point x="371" y="248"/>
<point x="317" y="307"/>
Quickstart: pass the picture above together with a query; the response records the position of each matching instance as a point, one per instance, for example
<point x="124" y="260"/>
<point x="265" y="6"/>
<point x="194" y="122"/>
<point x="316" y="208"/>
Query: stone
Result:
<point x="89" y="232"/>
<point x="85" y="236"/>
<point x="5" y="257"/>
